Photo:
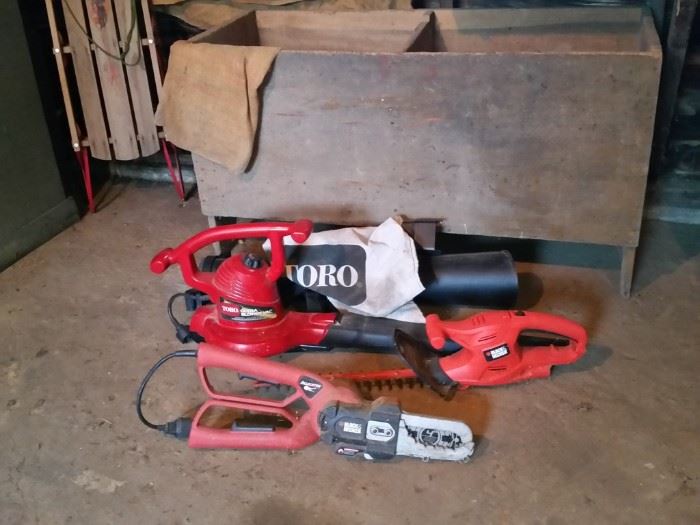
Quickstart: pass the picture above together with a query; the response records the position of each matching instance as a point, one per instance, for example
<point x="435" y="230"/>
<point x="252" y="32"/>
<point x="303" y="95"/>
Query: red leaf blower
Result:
<point x="240" y="307"/>
<point x="246" y="313"/>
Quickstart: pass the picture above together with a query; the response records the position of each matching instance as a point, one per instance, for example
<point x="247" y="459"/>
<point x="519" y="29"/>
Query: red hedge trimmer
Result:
<point x="496" y="348"/>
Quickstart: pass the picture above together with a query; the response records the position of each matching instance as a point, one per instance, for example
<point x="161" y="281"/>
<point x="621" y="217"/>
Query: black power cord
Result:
<point x="182" y="330"/>
<point x="180" y="427"/>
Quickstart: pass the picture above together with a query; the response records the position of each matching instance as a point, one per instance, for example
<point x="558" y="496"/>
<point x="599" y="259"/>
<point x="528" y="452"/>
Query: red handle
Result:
<point x="508" y="323"/>
<point x="303" y="431"/>
<point x="211" y="356"/>
<point x="434" y="331"/>
<point x="184" y="253"/>
<point x="316" y="392"/>
<point x="555" y="324"/>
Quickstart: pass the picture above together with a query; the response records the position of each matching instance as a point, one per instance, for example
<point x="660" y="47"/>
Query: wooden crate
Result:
<point x="526" y="123"/>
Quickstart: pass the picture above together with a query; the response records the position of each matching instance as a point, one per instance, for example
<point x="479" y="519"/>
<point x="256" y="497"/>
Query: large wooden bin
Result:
<point x="528" y="123"/>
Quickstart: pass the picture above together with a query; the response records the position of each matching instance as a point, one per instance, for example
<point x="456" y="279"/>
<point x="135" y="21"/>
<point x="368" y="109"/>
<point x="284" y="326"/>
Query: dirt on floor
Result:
<point x="614" y="438"/>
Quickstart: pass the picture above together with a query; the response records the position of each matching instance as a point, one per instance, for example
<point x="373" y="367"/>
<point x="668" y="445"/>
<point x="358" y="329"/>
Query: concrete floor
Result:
<point x="612" y="439"/>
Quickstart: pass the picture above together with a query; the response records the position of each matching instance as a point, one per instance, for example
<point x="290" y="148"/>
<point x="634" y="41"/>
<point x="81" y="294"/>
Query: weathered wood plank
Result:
<point x="141" y="100"/>
<point x="155" y="64"/>
<point x="62" y="79"/>
<point x="111" y="74"/>
<point x="627" y="270"/>
<point x="86" y="79"/>
<point x="383" y="31"/>
<point x="538" y="30"/>
<point x="549" y="146"/>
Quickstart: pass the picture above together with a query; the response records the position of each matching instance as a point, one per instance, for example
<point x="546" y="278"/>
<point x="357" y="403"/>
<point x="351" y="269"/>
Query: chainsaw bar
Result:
<point x="381" y="431"/>
<point x="431" y="438"/>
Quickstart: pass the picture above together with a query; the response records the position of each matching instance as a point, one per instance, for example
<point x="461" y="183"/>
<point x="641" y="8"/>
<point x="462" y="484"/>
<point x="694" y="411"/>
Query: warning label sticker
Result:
<point x="496" y="353"/>
<point x="353" y="428"/>
<point x="232" y="311"/>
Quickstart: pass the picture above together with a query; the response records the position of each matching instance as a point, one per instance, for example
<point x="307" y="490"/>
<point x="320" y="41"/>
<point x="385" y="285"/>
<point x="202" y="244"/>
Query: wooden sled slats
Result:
<point x="86" y="80"/>
<point x="141" y="101"/>
<point x="111" y="74"/>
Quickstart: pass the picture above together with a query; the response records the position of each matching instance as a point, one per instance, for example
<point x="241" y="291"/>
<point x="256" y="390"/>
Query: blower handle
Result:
<point x="184" y="253"/>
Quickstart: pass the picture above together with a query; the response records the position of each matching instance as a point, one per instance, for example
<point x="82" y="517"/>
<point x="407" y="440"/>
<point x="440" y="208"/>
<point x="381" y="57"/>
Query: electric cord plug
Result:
<point x="194" y="299"/>
<point x="178" y="428"/>
<point x="182" y="331"/>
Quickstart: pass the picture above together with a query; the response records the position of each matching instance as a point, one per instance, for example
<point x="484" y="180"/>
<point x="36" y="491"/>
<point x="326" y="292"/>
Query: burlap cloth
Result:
<point x="210" y="102"/>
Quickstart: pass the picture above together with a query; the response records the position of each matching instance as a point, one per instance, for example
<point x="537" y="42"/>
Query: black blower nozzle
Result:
<point x="476" y="279"/>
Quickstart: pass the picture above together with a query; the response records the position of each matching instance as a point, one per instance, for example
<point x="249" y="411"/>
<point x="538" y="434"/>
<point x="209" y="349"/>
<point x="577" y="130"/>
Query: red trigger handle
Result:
<point x="508" y="324"/>
<point x="184" y="253"/>
<point x="305" y="425"/>
<point x="555" y="324"/>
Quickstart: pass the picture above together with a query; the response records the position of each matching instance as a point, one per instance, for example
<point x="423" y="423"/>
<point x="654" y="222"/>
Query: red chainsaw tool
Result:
<point x="497" y="348"/>
<point x="309" y="409"/>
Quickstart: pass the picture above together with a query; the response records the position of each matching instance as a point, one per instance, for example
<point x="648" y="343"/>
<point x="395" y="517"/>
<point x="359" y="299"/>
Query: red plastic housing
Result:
<point x="491" y="354"/>
<point x="316" y="392"/>
<point x="262" y="339"/>
<point x="246" y="314"/>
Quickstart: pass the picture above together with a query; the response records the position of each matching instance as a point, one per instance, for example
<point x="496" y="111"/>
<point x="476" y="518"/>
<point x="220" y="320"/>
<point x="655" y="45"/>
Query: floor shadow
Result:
<point x="530" y="290"/>
<point x="111" y="191"/>
<point x="535" y="251"/>
<point x="664" y="246"/>
<point x="594" y="357"/>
